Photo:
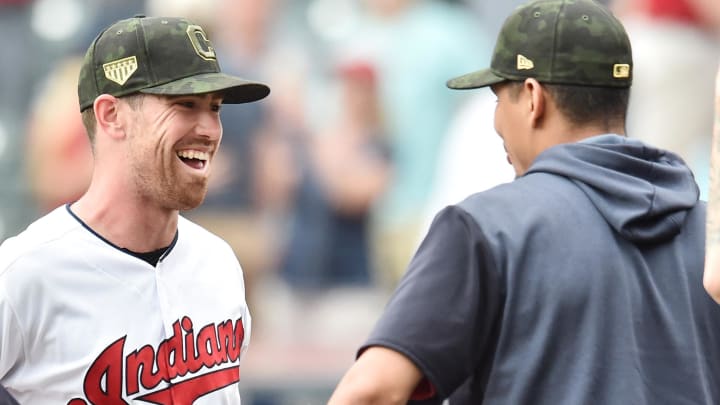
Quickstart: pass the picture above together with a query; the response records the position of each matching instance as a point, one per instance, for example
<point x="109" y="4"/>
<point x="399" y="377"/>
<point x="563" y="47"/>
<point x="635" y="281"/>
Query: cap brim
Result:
<point x="234" y="89"/>
<point x="475" y="80"/>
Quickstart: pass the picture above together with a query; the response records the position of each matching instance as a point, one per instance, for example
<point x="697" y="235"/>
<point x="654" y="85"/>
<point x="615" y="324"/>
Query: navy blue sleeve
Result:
<point x="443" y="312"/>
<point x="6" y="398"/>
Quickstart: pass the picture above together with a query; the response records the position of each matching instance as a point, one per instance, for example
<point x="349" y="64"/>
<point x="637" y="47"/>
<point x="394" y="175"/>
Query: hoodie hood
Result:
<point x="644" y="193"/>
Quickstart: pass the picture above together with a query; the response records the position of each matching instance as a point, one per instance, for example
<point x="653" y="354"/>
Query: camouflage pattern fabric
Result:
<point x="576" y="42"/>
<point x="158" y="55"/>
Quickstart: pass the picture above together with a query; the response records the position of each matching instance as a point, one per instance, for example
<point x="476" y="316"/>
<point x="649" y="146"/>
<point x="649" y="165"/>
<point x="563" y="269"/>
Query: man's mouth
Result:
<point x="194" y="158"/>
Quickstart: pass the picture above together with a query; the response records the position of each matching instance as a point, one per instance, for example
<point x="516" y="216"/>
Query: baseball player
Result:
<point x="580" y="282"/>
<point x="712" y="259"/>
<point x="116" y="298"/>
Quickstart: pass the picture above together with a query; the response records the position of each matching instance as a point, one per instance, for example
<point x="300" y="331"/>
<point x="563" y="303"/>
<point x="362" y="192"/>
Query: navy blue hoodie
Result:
<point x="578" y="283"/>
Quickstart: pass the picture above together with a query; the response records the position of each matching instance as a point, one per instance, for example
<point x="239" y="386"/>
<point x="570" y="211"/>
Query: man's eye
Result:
<point x="216" y="108"/>
<point x="187" y="104"/>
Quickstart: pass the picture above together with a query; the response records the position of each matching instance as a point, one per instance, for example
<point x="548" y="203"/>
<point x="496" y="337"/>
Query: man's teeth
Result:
<point x="193" y="154"/>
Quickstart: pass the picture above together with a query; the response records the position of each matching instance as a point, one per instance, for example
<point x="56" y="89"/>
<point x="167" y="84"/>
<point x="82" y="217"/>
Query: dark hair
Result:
<point x="582" y="105"/>
<point x="88" y="119"/>
<point x="605" y="106"/>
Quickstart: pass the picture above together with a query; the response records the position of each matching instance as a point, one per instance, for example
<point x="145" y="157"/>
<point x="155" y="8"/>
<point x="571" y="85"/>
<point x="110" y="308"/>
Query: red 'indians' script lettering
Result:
<point x="181" y="354"/>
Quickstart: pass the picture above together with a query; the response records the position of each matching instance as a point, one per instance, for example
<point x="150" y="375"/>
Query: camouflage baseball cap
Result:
<point x="576" y="42"/>
<point x="158" y="55"/>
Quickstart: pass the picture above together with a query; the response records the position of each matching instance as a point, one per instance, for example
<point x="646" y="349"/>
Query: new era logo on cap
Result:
<point x="524" y="63"/>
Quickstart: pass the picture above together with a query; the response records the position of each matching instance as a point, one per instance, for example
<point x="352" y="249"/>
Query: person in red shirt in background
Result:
<point x="704" y="14"/>
<point x="676" y="48"/>
<point x="58" y="160"/>
<point x="711" y="278"/>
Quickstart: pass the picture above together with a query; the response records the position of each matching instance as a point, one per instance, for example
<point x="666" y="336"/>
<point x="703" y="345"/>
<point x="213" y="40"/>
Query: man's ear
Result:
<point x="108" y="117"/>
<point x="537" y="101"/>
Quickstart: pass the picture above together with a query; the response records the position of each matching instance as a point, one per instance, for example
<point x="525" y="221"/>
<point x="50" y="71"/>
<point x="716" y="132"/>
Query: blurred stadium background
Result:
<point x="325" y="188"/>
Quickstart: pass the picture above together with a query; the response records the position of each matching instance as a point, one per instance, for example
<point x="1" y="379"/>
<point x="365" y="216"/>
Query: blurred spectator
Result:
<point x="36" y="36"/>
<point x="343" y="171"/>
<point x="676" y="48"/>
<point x="202" y="12"/>
<point x="59" y="159"/>
<point x="472" y="158"/>
<point x="492" y="13"/>
<point x="416" y="45"/>
<point x="17" y="43"/>
<point x="324" y="182"/>
<point x="14" y="80"/>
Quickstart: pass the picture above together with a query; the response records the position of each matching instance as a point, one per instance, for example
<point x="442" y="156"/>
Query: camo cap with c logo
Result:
<point x="575" y="42"/>
<point x="158" y="55"/>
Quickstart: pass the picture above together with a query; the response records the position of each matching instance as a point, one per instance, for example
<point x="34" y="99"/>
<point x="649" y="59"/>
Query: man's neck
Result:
<point x="127" y="223"/>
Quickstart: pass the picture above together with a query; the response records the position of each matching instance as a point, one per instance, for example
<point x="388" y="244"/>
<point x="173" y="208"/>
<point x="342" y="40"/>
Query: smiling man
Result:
<point x="116" y="298"/>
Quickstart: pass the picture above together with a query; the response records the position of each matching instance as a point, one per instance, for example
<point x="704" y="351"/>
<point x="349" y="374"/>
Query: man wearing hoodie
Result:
<point x="580" y="282"/>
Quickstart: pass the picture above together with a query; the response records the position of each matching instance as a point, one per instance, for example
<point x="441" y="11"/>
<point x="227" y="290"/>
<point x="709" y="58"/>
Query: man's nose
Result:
<point x="209" y="125"/>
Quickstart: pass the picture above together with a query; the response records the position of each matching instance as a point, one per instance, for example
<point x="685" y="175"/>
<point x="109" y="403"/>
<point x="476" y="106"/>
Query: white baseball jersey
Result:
<point x="82" y="322"/>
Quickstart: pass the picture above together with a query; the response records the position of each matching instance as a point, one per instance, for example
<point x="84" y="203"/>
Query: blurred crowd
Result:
<point x="325" y="188"/>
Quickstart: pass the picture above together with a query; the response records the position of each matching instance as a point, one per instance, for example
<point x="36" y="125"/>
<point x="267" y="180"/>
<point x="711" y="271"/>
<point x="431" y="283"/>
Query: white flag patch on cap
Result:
<point x="119" y="71"/>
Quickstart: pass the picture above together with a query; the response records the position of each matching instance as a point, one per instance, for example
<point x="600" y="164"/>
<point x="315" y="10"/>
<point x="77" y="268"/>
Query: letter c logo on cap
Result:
<point x="199" y="41"/>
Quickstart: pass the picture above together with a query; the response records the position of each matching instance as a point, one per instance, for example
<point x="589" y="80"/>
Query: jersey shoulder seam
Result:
<point x="29" y="249"/>
<point x="17" y="321"/>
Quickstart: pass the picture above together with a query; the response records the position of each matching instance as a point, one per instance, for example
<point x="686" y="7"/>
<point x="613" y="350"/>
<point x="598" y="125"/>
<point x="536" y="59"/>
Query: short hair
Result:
<point x="582" y="105"/>
<point x="88" y="115"/>
<point x="604" y="106"/>
<point x="88" y="119"/>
